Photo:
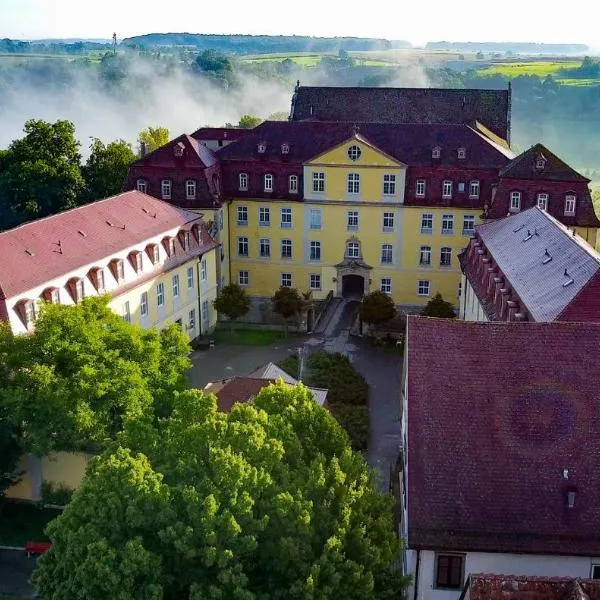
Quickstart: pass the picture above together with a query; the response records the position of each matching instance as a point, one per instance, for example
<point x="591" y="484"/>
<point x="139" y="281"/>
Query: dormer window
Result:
<point x="243" y="182"/>
<point x="141" y="185"/>
<point x="117" y="266"/>
<point x="462" y="153"/>
<point x="51" y="295"/>
<point x="285" y="148"/>
<point x="185" y="240"/>
<point x="29" y="312"/>
<point x="268" y="182"/>
<point x="153" y="252"/>
<point x="135" y="258"/>
<point x="515" y="201"/>
<point x="570" y="205"/>
<point x="179" y="148"/>
<point x="540" y="163"/>
<point x="169" y="245"/>
<point x="76" y="288"/>
<point x="262" y="147"/>
<point x="96" y="276"/>
<point x="435" y="153"/>
<point x="196" y="233"/>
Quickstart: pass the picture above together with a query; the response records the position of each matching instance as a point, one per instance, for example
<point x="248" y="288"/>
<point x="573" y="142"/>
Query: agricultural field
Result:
<point x="539" y="68"/>
<point x="306" y="59"/>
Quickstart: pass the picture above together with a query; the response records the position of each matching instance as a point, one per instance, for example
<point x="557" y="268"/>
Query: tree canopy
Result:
<point x="377" y="308"/>
<point x="85" y="372"/>
<point x="106" y="168"/>
<point x="249" y="122"/>
<point x="264" y="503"/>
<point x="438" y="307"/>
<point x="232" y="301"/>
<point x="288" y="303"/>
<point x="40" y="172"/>
<point x="153" y="137"/>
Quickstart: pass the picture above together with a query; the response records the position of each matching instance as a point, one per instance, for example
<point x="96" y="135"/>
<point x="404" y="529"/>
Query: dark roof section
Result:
<point x="408" y="143"/>
<point x="219" y="133"/>
<point x="404" y="105"/>
<point x="491" y="429"/>
<point x="525" y="587"/>
<point x="524" y="167"/>
<point x="237" y="389"/>
<point x="165" y="155"/>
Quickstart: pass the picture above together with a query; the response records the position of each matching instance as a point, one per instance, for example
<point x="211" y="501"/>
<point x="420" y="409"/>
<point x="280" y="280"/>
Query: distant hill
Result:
<point x="516" y="47"/>
<point x="261" y="44"/>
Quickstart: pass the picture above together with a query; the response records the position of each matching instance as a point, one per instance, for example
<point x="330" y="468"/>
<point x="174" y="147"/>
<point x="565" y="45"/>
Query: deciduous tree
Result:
<point x="288" y="303"/>
<point x="438" y="307"/>
<point x="85" y="372"/>
<point x="40" y="173"/>
<point x="249" y="122"/>
<point x="267" y="502"/>
<point x="377" y="308"/>
<point x="233" y="302"/>
<point x="106" y="168"/>
<point x="153" y="138"/>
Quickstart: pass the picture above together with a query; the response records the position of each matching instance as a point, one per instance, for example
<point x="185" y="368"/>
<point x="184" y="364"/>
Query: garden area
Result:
<point x="348" y="391"/>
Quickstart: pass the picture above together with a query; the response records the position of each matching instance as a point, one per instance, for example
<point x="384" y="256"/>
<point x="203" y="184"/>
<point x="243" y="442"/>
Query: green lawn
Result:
<point x="20" y="523"/>
<point x="579" y="82"/>
<point x="305" y="59"/>
<point x="248" y="337"/>
<point x="539" y="68"/>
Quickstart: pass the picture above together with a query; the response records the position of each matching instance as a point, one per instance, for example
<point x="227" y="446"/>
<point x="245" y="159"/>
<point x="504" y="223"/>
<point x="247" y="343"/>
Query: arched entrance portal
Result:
<point x="353" y="285"/>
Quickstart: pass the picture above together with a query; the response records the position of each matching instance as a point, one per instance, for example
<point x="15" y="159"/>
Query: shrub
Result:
<point x="58" y="494"/>
<point x="336" y="373"/>
<point x="290" y="365"/>
<point x="355" y="421"/>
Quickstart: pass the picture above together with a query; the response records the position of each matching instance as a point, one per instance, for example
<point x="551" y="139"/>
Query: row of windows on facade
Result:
<point x="191" y="314"/>
<point x="314" y="282"/>
<point x="28" y="309"/>
<point x="543" y="201"/>
<point x="166" y="188"/>
<point x="353" y="220"/>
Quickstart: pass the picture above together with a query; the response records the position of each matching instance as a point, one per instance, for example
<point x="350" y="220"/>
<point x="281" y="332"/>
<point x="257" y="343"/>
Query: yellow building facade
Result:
<point x="351" y="234"/>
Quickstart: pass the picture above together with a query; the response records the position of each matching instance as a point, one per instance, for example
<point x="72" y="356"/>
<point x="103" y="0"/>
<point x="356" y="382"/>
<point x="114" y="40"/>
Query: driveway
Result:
<point x="15" y="571"/>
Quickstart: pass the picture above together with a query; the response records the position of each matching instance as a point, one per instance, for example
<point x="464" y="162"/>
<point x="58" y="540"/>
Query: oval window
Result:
<point x="354" y="153"/>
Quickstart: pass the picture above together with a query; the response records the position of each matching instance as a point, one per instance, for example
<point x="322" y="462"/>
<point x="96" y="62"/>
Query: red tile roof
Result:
<point x="404" y="105"/>
<point x="48" y="248"/>
<point x="496" y="412"/>
<point x="511" y="587"/>
<point x="237" y="389"/>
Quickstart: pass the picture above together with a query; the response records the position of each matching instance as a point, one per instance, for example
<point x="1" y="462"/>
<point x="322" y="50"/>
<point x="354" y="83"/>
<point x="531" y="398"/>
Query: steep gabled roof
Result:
<point x="496" y="413"/>
<point x="408" y="143"/>
<point x="404" y="105"/>
<point x="533" y="251"/>
<point x="524" y="167"/>
<point x="165" y="156"/>
<point x="48" y="248"/>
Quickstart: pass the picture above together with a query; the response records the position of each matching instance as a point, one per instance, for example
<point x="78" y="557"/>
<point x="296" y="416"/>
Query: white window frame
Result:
<point x="389" y="184"/>
<point x="447" y="219"/>
<point x="386" y="285"/>
<point x="293" y="184"/>
<point x="542" y="200"/>
<point x="445" y="252"/>
<point x="166" y="189"/>
<point x="461" y="153"/>
<point x="243" y="277"/>
<point x="426" y="217"/>
<point x="314" y="281"/>
<point x="319" y="182"/>
<point x="268" y="182"/>
<point x="388" y="222"/>
<point x="175" y="285"/>
<point x="387" y="254"/>
<point x="192" y="319"/>
<point x="435" y="152"/>
<point x="186" y="241"/>
<point x="316" y="246"/>
<point x="353" y="183"/>
<point x="515" y="201"/>
<point x="264" y="244"/>
<point x="447" y="189"/>
<point x="203" y="270"/>
<point x="570" y="205"/>
<point x="55" y="296"/>
<point x="354" y="153"/>
<point x="144" y="304"/>
<point x="468" y="219"/>
<point x="425" y="256"/>
<point x="101" y="284"/>
<point x="264" y="211"/>
<point x="315" y="212"/>
<point x="286" y="217"/>
<point x="474" y="188"/>
<point x="420" y="188"/>
<point x="241" y="211"/>
<point x="127" y="311"/>
<point x="120" y="268"/>
<point x="160" y="294"/>
<point x="287" y="244"/>
<point x="286" y="280"/>
<point x="190" y="189"/>
<point x="80" y="290"/>
<point x="352" y="220"/>
<point x="205" y="311"/>
<point x="190" y="277"/>
<point x="423" y="287"/>
<point x="243" y="182"/>
<point x="353" y="250"/>
<point x="242" y="241"/>
<point x="138" y="262"/>
<point x="141" y="185"/>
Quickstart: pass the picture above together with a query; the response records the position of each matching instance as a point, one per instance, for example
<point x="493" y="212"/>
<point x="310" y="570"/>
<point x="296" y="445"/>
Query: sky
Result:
<point x="417" y="22"/>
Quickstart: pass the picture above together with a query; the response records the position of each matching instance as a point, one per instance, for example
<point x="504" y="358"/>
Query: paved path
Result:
<point x="15" y="571"/>
<point x="381" y="370"/>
